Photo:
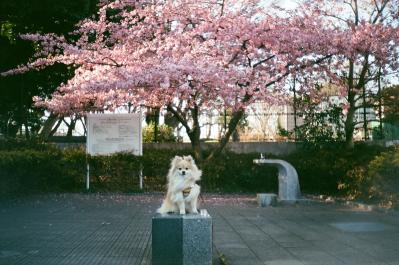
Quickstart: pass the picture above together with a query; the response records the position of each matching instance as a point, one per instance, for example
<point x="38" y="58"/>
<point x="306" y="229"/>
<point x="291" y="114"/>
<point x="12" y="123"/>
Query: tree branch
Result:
<point x="379" y="12"/>
<point x="237" y="116"/>
<point x="303" y="66"/>
<point x="263" y="61"/>
<point x="356" y="10"/>
<point x="222" y="8"/>
<point x="179" y="117"/>
<point x="363" y="73"/>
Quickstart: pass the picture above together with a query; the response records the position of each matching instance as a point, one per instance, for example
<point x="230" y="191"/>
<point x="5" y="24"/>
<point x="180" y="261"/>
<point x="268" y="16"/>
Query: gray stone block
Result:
<point x="182" y="239"/>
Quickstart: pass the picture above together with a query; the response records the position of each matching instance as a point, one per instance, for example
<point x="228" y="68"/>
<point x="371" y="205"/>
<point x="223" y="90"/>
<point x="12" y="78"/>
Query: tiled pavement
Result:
<point x="116" y="229"/>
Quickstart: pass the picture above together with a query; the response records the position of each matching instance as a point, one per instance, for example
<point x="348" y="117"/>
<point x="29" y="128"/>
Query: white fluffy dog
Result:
<point x="182" y="191"/>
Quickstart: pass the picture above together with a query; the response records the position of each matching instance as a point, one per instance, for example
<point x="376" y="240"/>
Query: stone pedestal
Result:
<point x="266" y="199"/>
<point x="182" y="239"/>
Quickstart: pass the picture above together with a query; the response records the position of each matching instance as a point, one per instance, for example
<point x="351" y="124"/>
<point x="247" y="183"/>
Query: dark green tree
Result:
<point x="17" y="17"/>
<point x="388" y="105"/>
<point x="322" y="123"/>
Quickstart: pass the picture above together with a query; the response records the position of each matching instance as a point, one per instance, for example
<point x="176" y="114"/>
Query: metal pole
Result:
<point x="88" y="140"/>
<point x="295" y="121"/>
<point x="380" y="104"/>
<point x="225" y="121"/>
<point x="88" y="176"/>
<point x="365" y="126"/>
<point x="141" y="177"/>
<point x="141" y="154"/>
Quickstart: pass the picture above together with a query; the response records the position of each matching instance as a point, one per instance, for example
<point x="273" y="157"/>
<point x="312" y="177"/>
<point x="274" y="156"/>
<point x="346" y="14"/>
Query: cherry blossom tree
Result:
<point x="187" y="55"/>
<point x="369" y="42"/>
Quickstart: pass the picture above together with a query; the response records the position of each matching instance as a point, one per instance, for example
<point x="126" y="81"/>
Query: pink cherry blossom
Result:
<point x="204" y="54"/>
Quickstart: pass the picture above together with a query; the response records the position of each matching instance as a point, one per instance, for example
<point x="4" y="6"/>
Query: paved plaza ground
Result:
<point x="116" y="229"/>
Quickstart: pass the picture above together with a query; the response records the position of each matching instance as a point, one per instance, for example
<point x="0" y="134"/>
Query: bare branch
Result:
<point x="380" y="11"/>
<point x="356" y="10"/>
<point x="363" y="73"/>
<point x="177" y="113"/>
<point x="351" y="6"/>
<point x="222" y="8"/>
<point x="263" y="61"/>
<point x="336" y="17"/>
<point x="303" y="66"/>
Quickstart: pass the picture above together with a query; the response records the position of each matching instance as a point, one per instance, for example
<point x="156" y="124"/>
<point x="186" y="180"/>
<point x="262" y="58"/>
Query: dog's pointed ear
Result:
<point x="189" y="158"/>
<point x="173" y="164"/>
<point x="176" y="159"/>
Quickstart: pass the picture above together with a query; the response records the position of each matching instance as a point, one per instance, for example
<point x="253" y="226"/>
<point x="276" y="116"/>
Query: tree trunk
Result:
<point x="349" y="127"/>
<point x="195" y="134"/>
<point x="71" y="127"/>
<point x="208" y="134"/>
<point x="54" y="130"/>
<point x="236" y="136"/>
<point x="83" y="121"/>
<point x="196" y="147"/>
<point x="349" y="122"/>
<point x="48" y="126"/>
<point x="152" y="116"/>
<point x="27" y="133"/>
<point x="236" y="117"/>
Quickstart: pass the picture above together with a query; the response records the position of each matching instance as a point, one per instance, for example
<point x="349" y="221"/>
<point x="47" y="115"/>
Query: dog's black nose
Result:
<point x="183" y="172"/>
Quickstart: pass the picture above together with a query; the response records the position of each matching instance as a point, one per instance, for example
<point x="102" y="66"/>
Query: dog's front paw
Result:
<point x="195" y="211"/>
<point x="182" y="211"/>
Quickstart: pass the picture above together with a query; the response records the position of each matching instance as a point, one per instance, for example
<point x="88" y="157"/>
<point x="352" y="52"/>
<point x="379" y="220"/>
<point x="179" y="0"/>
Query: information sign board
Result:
<point x="111" y="133"/>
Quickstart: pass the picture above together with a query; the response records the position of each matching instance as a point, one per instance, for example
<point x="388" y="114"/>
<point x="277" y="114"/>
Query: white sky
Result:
<point x="289" y="4"/>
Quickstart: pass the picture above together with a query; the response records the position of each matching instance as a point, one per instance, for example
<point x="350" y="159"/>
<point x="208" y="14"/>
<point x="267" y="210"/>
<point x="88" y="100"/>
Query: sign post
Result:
<point x="111" y="133"/>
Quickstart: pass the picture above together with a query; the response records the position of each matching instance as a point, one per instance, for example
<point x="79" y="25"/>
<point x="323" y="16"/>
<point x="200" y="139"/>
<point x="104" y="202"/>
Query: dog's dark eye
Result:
<point x="186" y="168"/>
<point x="179" y="168"/>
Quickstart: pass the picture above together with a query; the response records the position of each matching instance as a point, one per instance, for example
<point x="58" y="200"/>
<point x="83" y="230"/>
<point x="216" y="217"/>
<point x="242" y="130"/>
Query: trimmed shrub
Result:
<point x="25" y="171"/>
<point x="232" y="172"/>
<point x="377" y="181"/>
<point x="384" y="175"/>
<point x="73" y="165"/>
<point x="117" y="173"/>
<point x="23" y="144"/>
<point x="364" y="172"/>
<point x="326" y="170"/>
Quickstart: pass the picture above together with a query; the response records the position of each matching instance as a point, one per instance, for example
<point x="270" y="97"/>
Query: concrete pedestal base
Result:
<point x="266" y="199"/>
<point x="182" y="239"/>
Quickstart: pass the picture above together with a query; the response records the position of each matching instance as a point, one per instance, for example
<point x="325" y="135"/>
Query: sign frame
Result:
<point x="117" y="120"/>
<point x="114" y="118"/>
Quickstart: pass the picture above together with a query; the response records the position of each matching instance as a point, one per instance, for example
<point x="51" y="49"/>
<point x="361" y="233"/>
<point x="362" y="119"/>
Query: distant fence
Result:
<point x="273" y="126"/>
<point x="275" y="148"/>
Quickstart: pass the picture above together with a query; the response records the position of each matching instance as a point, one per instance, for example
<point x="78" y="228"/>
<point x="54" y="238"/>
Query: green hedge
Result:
<point x="325" y="170"/>
<point x="383" y="172"/>
<point x="43" y="168"/>
<point x="232" y="172"/>
<point x="376" y="181"/>
<point x="31" y="171"/>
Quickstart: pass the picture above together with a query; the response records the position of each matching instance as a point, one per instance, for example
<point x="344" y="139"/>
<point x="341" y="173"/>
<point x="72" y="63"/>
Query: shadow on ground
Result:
<point x="116" y="229"/>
